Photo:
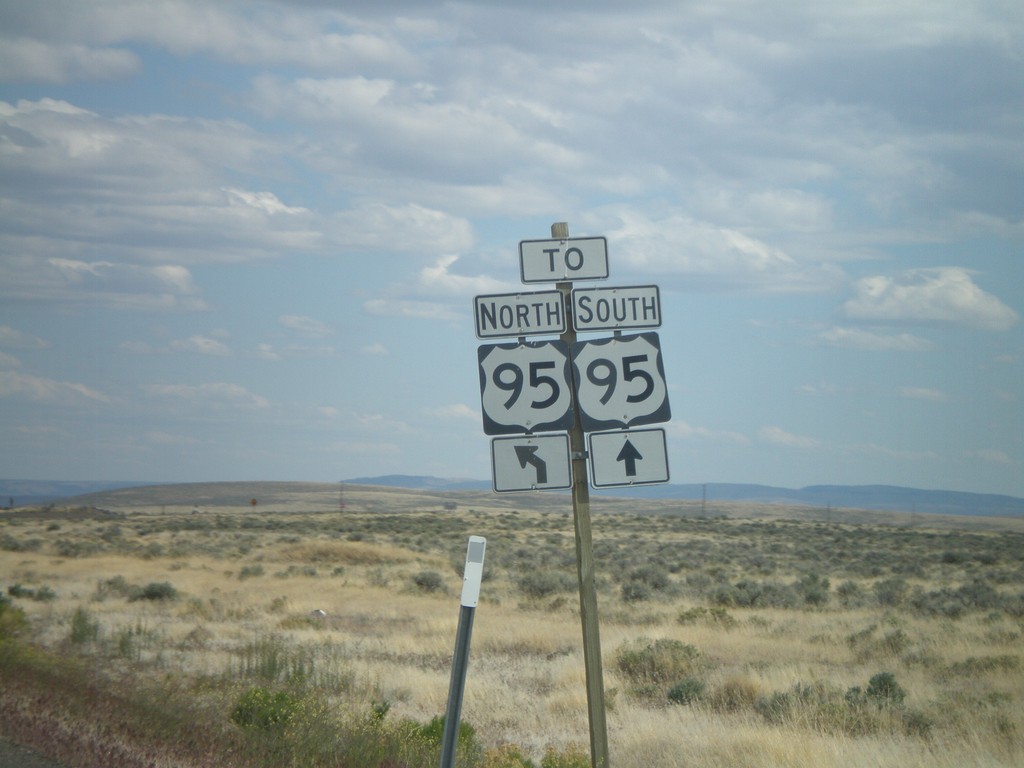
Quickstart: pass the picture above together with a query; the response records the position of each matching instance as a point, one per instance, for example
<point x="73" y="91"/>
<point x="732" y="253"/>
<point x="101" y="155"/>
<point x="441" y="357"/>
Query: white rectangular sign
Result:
<point x="612" y="309"/>
<point x="575" y="258"/>
<point x="633" y="457"/>
<point x="531" y="463"/>
<point x="519" y="314"/>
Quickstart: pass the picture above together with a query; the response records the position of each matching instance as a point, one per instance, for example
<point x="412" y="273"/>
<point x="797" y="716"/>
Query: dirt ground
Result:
<point x="15" y="756"/>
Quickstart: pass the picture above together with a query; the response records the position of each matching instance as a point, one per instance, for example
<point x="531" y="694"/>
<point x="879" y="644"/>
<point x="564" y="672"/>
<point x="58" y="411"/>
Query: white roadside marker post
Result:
<point x="472" y="575"/>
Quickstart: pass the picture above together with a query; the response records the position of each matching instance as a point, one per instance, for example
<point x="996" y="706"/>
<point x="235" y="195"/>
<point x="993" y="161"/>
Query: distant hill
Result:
<point x="21" y="493"/>
<point x="422" y="483"/>
<point x="875" y="497"/>
<point x="868" y="497"/>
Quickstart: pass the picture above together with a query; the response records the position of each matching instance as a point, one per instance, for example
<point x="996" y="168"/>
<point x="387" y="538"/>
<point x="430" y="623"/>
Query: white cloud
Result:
<point x="202" y="345"/>
<point x="702" y="254"/>
<point x="9" y="361"/>
<point x="157" y="437"/>
<point x="214" y="394"/>
<point x="374" y="350"/>
<point x="15" y="339"/>
<point x="306" y="326"/>
<point x="459" y="411"/>
<point x="858" y="338"/>
<point x="136" y="347"/>
<point x="378" y="422"/>
<point x="945" y="295"/>
<point x="263" y="202"/>
<point x="423" y="310"/>
<point x="99" y="283"/>
<point x="391" y="228"/>
<point x="681" y="429"/>
<point x="43" y="390"/>
<point x="358" y="448"/>
<point x="924" y="393"/>
<point x="779" y="436"/>
<point x="267" y="352"/>
<point x="439" y="280"/>
<point x="35" y="60"/>
<point x="991" y="456"/>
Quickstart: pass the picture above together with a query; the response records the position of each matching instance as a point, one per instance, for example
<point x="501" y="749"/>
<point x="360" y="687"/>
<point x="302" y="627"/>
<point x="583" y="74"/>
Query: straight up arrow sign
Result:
<point x="629" y="455"/>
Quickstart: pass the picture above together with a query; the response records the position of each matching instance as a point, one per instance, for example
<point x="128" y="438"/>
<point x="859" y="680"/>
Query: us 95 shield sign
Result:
<point x="525" y="387"/>
<point x="620" y="382"/>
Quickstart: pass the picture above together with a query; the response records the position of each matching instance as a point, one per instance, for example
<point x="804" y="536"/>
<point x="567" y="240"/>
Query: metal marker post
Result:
<point x="472" y="575"/>
<point x="585" y="559"/>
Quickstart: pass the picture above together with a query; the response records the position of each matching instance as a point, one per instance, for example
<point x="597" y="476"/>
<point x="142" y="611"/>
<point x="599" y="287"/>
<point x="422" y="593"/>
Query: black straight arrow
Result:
<point x="527" y="454"/>
<point x="629" y="454"/>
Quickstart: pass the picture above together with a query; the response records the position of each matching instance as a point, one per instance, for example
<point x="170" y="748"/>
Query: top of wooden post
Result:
<point x="560" y="230"/>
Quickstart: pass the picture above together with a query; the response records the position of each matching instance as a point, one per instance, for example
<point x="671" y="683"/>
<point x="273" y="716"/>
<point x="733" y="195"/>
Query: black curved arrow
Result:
<point x="527" y="454"/>
<point x="630" y="455"/>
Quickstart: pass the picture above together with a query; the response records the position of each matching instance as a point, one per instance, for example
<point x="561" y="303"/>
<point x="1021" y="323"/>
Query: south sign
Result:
<point x="614" y="309"/>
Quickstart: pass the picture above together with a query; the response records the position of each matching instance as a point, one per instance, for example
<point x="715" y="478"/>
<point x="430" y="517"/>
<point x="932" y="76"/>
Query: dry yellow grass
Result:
<point x="385" y="639"/>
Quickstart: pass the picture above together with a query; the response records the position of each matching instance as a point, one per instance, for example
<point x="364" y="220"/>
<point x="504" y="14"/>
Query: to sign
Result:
<point x="525" y="387"/>
<point x="577" y="258"/>
<point x="620" y="382"/>
<point x="634" y="457"/>
<point x="519" y="314"/>
<point x="612" y="309"/>
<point x="531" y="462"/>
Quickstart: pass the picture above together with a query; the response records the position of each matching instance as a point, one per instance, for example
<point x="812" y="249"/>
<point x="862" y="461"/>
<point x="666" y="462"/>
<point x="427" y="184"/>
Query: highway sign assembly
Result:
<point x="531" y="463"/>
<point x="525" y="387"/>
<point x="614" y="309"/>
<point x="519" y="314"/>
<point x="620" y="382"/>
<point x="630" y="457"/>
<point x="575" y="258"/>
<point x="613" y="383"/>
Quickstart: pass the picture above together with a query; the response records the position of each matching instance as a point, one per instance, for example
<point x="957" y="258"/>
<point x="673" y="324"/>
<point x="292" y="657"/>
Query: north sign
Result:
<point x="530" y="463"/>
<point x="575" y="258"/>
<point x="614" y="309"/>
<point x="620" y="382"/>
<point x="519" y="314"/>
<point x="525" y="387"/>
<point x="633" y="457"/>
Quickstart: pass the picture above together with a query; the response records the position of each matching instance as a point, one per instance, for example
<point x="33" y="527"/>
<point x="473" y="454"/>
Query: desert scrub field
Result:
<point x="214" y="632"/>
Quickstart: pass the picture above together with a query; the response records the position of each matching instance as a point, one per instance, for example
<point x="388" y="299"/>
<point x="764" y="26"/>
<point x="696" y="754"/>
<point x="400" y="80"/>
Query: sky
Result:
<point x="242" y="240"/>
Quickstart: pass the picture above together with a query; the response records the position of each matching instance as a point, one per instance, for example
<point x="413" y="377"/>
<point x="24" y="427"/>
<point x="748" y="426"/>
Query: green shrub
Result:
<point x="635" y="592"/>
<point x="540" y="583"/>
<point x="658" y="662"/>
<point x="687" y="691"/>
<point x="45" y="594"/>
<point x="262" y="709"/>
<point x="13" y="622"/>
<point x="748" y="593"/>
<point x="507" y="756"/>
<point x="884" y="690"/>
<point x="432" y="733"/>
<point x="429" y="581"/>
<point x="815" y="589"/>
<point x="162" y="590"/>
<point x="250" y="571"/>
<point x="891" y="592"/>
<point x="12" y="544"/>
<point x="850" y="594"/>
<point x="84" y="628"/>
<point x="573" y="756"/>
